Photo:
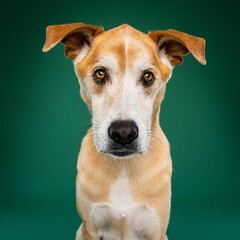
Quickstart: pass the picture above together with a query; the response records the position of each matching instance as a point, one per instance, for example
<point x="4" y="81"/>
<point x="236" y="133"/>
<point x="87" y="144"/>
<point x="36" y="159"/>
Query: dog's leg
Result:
<point x="82" y="233"/>
<point x="79" y="235"/>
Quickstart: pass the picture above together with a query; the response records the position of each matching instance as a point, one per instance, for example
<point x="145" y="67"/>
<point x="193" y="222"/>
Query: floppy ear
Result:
<point x="74" y="36"/>
<point x="176" y="44"/>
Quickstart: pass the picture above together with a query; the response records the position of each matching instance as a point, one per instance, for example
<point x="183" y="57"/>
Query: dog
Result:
<point x="123" y="185"/>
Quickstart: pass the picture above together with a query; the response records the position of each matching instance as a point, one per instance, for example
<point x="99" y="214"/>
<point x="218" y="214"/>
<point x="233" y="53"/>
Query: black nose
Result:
<point x="123" y="131"/>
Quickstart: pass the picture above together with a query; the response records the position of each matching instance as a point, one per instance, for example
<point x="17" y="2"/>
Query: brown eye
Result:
<point x="148" y="78"/>
<point x="100" y="75"/>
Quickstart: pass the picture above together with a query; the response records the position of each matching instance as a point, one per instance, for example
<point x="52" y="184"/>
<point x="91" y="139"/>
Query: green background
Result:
<point x="43" y="119"/>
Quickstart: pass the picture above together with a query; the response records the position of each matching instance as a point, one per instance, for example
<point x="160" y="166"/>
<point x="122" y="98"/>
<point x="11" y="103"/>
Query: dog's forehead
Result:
<point x="122" y="45"/>
<point x="126" y="31"/>
<point x="127" y="40"/>
<point x="120" y="49"/>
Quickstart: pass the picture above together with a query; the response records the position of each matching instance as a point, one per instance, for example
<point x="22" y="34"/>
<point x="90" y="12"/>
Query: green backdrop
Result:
<point x="43" y="119"/>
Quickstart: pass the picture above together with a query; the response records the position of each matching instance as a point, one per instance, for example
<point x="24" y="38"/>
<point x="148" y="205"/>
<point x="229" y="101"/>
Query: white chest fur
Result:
<point x="123" y="218"/>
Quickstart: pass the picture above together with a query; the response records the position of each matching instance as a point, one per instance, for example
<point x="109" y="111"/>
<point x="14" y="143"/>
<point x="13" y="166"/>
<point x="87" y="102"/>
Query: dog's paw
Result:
<point x="142" y="223"/>
<point x="100" y="216"/>
<point x="105" y="221"/>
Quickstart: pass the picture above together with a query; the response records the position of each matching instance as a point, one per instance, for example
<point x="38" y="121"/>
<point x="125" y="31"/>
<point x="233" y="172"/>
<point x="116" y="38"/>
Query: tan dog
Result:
<point x="124" y="166"/>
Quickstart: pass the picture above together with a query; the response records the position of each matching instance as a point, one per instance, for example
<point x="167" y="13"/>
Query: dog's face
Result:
<point x="123" y="73"/>
<point x="121" y="76"/>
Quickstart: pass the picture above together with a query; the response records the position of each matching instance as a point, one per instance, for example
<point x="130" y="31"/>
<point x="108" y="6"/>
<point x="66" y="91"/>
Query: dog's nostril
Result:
<point x="114" y="134"/>
<point x="133" y="134"/>
<point x="123" y="131"/>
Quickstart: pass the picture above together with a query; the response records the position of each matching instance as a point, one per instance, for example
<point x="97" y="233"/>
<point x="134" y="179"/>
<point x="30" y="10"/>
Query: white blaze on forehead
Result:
<point x="127" y="101"/>
<point x="133" y="100"/>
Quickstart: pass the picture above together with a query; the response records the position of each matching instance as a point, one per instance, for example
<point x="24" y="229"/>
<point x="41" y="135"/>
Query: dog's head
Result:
<point x="123" y="74"/>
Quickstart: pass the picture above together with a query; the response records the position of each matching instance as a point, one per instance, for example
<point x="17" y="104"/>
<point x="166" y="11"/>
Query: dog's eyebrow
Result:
<point x="148" y="64"/>
<point x="142" y="65"/>
<point x="107" y="61"/>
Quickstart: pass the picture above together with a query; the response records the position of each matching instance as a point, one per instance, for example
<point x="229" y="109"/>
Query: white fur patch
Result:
<point x="142" y="223"/>
<point x="121" y="196"/>
<point x="101" y="216"/>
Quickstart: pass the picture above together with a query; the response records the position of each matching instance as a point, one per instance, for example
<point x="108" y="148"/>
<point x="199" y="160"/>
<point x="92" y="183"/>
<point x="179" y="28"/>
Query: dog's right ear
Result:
<point x="75" y="37"/>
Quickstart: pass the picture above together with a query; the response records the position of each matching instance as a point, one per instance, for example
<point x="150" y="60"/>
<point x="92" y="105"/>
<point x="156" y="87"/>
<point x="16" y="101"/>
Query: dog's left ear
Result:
<point x="176" y="44"/>
<point x="75" y="37"/>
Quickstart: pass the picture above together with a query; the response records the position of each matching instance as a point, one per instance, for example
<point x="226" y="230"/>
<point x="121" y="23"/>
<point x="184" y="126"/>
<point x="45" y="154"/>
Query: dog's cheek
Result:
<point x="86" y="99"/>
<point x="100" y="122"/>
<point x="143" y="120"/>
<point x="85" y="95"/>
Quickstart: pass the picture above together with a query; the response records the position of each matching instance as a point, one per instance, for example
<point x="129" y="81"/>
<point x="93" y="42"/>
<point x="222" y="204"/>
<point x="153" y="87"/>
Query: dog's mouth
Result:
<point x="122" y="152"/>
<point x="118" y="150"/>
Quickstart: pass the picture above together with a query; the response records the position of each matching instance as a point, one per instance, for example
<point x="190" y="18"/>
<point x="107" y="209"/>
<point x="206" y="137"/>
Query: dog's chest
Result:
<point x="122" y="217"/>
<point x="121" y="196"/>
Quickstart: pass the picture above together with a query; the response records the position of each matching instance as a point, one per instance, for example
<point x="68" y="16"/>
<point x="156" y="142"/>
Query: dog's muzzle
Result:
<point x="123" y="135"/>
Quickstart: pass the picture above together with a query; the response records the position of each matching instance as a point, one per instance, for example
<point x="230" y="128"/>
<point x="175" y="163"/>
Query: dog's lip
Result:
<point x="122" y="152"/>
